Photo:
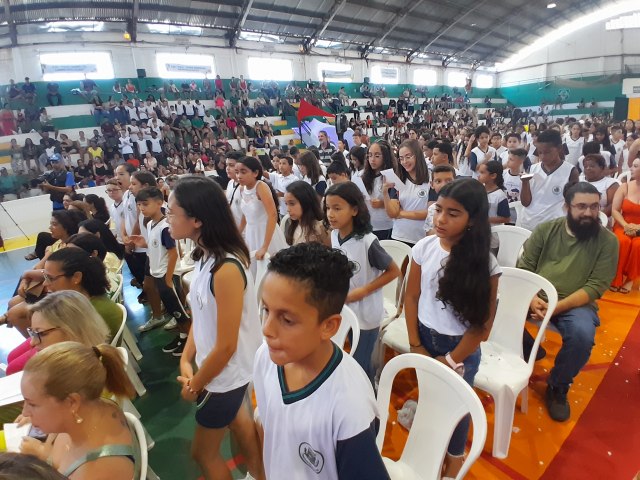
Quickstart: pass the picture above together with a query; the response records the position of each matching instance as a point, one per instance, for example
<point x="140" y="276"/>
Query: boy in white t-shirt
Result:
<point x="441" y="175"/>
<point x="280" y="181"/>
<point x="316" y="405"/>
<point x="513" y="142"/>
<point x="496" y="142"/>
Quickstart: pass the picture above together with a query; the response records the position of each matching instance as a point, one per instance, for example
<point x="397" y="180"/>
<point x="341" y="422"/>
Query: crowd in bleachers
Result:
<point x="427" y="179"/>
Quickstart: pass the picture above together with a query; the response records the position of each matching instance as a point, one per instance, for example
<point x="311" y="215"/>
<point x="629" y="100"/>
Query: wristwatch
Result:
<point x="457" y="367"/>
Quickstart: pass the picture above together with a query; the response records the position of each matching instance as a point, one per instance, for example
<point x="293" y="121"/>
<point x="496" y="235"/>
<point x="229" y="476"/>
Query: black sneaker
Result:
<point x="171" y="346"/>
<point x="142" y="298"/>
<point x="557" y="404"/>
<point x="178" y="351"/>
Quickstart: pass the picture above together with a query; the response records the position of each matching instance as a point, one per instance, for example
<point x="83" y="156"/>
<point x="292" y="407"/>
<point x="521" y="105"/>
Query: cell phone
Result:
<point x="36" y="433"/>
<point x="526" y="176"/>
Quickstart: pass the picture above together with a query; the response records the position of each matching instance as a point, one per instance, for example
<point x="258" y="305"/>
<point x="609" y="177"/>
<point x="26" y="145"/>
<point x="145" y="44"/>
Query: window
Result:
<point x="184" y="65"/>
<point x="334" y="72"/>
<point x="270" y="69"/>
<point x="424" y="76"/>
<point x="457" y="79"/>
<point x="484" y="81"/>
<point x="380" y="74"/>
<point x="76" y="66"/>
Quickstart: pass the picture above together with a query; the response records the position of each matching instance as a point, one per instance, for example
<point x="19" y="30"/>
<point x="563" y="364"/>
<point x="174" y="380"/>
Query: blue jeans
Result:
<point x="364" y="350"/>
<point x="437" y="345"/>
<point x="578" y="329"/>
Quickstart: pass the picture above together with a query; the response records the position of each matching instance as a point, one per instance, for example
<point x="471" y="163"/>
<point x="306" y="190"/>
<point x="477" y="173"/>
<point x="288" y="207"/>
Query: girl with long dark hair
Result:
<point x="305" y="215"/>
<point x="450" y="301"/>
<point x="225" y="332"/>
<point x="379" y="157"/>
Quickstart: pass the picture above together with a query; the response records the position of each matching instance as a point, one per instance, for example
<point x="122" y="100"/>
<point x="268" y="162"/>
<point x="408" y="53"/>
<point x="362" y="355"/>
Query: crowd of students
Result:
<point x="432" y="187"/>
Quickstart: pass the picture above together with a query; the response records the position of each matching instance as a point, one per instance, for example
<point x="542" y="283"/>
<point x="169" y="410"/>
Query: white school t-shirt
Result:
<point x="379" y="218"/>
<point x="304" y="429"/>
<point x="280" y="183"/>
<point x="574" y="147"/>
<point x="512" y="186"/>
<point x="369" y="310"/>
<point x="546" y="195"/>
<point x="234" y="198"/>
<point x="130" y="217"/>
<point x="478" y="156"/>
<point x="204" y="315"/>
<point x="412" y="198"/>
<point x="433" y="313"/>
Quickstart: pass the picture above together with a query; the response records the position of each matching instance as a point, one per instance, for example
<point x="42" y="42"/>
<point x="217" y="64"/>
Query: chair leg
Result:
<point x="524" y="400"/>
<point x="135" y="379"/>
<point x="134" y="364"/>
<point x="132" y="345"/>
<point x="151" y="475"/>
<point x="505" y="402"/>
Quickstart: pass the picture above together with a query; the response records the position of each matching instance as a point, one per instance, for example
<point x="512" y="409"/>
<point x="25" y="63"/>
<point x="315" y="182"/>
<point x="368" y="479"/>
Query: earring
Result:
<point x="77" y="417"/>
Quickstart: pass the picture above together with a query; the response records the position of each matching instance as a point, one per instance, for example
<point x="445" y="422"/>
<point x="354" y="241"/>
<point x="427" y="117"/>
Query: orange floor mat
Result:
<point x="536" y="439"/>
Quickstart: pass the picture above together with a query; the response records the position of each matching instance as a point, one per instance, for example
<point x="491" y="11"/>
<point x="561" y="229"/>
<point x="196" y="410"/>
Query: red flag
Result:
<point x="308" y="110"/>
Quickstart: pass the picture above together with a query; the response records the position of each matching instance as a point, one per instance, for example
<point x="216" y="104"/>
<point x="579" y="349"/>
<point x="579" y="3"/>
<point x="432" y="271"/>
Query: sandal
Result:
<point x="614" y="289"/>
<point x="624" y="290"/>
<point x="31" y="256"/>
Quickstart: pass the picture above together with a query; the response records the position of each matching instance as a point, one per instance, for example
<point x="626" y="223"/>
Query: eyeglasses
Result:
<point x="583" y="207"/>
<point x="406" y="157"/>
<point x="37" y="336"/>
<point x="51" y="278"/>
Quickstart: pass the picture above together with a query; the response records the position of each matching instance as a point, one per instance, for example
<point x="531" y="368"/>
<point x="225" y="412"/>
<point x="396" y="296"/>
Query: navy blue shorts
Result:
<point x="218" y="410"/>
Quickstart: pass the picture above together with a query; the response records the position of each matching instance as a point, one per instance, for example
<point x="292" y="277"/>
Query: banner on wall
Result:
<point x="180" y="67"/>
<point x="76" y="68"/>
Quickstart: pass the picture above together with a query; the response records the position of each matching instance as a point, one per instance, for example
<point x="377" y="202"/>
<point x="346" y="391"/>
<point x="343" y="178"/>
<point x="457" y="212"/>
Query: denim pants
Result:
<point x="364" y="350"/>
<point x="438" y="345"/>
<point x="578" y="329"/>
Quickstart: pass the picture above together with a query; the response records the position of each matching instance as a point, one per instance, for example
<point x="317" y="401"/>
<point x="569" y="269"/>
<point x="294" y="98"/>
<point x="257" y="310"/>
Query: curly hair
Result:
<point x="464" y="284"/>
<point x="324" y="271"/>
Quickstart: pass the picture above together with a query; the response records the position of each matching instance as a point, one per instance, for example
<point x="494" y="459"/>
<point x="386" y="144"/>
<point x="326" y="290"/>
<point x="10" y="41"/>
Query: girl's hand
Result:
<point x="488" y="156"/>
<point x="356" y="295"/>
<point x="377" y="203"/>
<point x="186" y="370"/>
<point x="386" y="186"/>
<point x="472" y="138"/>
<point x="137" y="240"/>
<point x="261" y="253"/>
<point x="419" y="349"/>
<point x="22" y="420"/>
<point x="187" y="393"/>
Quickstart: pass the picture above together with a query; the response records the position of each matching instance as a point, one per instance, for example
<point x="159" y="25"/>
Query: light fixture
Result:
<point x="473" y="24"/>
<point x="551" y="5"/>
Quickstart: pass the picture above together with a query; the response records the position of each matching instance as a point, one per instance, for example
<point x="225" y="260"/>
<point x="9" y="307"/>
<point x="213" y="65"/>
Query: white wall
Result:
<point x="23" y="60"/>
<point x="591" y="50"/>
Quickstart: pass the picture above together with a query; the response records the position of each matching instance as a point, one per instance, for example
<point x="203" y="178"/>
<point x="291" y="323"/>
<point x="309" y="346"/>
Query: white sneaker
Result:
<point x="152" y="323"/>
<point x="171" y="324"/>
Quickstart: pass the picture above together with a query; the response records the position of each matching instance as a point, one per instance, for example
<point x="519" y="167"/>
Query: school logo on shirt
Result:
<point x="557" y="190"/>
<point x="312" y="458"/>
<point x="356" y="267"/>
<point x="155" y="243"/>
<point x="422" y="193"/>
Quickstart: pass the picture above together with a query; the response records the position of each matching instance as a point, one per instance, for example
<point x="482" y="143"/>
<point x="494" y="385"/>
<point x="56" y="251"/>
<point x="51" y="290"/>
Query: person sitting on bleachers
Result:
<point x="578" y="256"/>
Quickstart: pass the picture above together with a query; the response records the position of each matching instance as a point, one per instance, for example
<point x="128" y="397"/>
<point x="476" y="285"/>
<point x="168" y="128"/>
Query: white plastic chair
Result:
<point x="511" y="241"/>
<point x="604" y="220"/>
<point x="137" y="431"/>
<point x="399" y="252"/>
<point x="116" y="296"/>
<point x="444" y="399"/>
<point x="131" y="373"/>
<point x="349" y="322"/>
<point x="503" y="371"/>
<point x="518" y="208"/>
<point x="117" y="338"/>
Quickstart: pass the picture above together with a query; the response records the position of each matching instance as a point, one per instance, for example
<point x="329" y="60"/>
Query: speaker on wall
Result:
<point x="142" y="73"/>
<point x="620" y="109"/>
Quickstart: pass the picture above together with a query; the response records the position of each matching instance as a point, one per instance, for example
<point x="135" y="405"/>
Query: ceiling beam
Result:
<point x="445" y="30"/>
<point x="326" y="21"/>
<point x="133" y="25"/>
<point x="397" y="19"/>
<point x="237" y="29"/>
<point x="13" y="30"/>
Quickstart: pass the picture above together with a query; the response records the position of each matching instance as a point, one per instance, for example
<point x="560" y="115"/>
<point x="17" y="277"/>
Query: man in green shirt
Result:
<point x="579" y="257"/>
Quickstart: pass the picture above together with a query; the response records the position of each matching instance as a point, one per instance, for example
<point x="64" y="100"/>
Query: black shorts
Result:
<point x="218" y="410"/>
<point x="147" y="267"/>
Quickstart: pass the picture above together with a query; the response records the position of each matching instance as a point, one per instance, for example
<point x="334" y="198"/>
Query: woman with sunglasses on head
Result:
<point x="59" y="317"/>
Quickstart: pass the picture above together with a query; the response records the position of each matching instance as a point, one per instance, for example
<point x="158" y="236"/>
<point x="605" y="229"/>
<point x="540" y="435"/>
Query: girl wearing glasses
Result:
<point x="408" y="203"/>
<point x="379" y="157"/>
<point x="59" y="317"/>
